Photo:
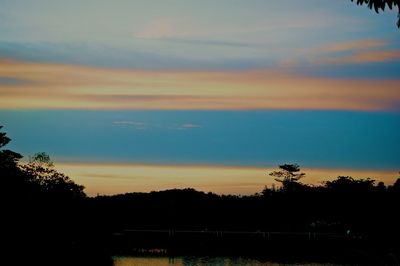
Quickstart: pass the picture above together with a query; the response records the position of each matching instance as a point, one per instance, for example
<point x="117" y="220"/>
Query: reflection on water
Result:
<point x="198" y="261"/>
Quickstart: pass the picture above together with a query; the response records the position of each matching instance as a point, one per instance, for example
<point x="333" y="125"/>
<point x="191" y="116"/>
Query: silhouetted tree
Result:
<point x="347" y="183"/>
<point x="380" y="5"/>
<point x="41" y="172"/>
<point x="396" y="185"/>
<point x="8" y="159"/>
<point x="381" y="186"/>
<point x="289" y="175"/>
<point x="12" y="180"/>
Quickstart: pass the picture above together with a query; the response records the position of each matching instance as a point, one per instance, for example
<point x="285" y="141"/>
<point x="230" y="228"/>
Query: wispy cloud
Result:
<point x="58" y="86"/>
<point x="162" y="27"/>
<point x="146" y="125"/>
<point x="11" y="81"/>
<point x="188" y="126"/>
<point x="356" y="52"/>
<point x="357" y="45"/>
<point x="361" y="57"/>
<point x="180" y="31"/>
<point x="134" y="124"/>
<point x="211" y="42"/>
<point x="346" y="53"/>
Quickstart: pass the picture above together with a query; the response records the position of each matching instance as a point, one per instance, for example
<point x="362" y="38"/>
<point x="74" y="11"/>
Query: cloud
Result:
<point x="189" y="126"/>
<point x="180" y="31"/>
<point x="11" y="81"/>
<point x="357" y="52"/>
<point x="362" y="51"/>
<point x="134" y="124"/>
<point x="357" y="45"/>
<point x="211" y="42"/>
<point x="163" y="27"/>
<point x="361" y="57"/>
<point x="61" y="86"/>
<point x="143" y="125"/>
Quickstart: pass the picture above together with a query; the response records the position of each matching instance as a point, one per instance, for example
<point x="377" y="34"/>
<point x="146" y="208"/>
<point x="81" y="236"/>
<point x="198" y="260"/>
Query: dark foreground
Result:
<point x="290" y="247"/>
<point x="48" y="220"/>
<point x="310" y="225"/>
<point x="284" y="247"/>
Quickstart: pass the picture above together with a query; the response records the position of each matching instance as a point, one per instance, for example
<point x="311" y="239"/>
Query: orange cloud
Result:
<point x="58" y="86"/>
<point x="353" y="52"/>
<point x="361" y="57"/>
<point x="123" y="178"/>
<point x="358" y="45"/>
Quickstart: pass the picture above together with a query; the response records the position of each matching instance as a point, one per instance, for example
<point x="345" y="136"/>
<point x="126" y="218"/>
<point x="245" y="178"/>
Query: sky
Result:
<point x="148" y="95"/>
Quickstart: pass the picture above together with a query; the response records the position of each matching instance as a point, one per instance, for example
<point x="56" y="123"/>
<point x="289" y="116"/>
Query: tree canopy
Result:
<point x="288" y="175"/>
<point x="41" y="171"/>
<point x="8" y="159"/>
<point x="378" y="5"/>
<point x="38" y="177"/>
<point x="349" y="184"/>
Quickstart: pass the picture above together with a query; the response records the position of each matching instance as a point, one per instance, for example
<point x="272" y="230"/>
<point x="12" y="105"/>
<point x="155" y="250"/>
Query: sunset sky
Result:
<point x="149" y="95"/>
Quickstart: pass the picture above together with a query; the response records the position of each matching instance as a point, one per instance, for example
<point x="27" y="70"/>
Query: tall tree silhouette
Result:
<point x="380" y="5"/>
<point x="288" y="175"/>
<point x="8" y="159"/>
<point x="12" y="180"/>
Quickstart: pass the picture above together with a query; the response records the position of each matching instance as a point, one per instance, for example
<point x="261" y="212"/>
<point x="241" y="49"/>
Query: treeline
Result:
<point x="359" y="207"/>
<point x="343" y="205"/>
<point x="43" y="214"/>
<point x="48" y="216"/>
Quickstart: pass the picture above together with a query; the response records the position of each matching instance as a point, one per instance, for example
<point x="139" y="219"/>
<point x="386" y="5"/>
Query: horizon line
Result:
<point x="111" y="179"/>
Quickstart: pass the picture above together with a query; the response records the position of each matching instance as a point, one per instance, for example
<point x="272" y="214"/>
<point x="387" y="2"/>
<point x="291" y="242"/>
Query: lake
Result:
<point x="200" y="261"/>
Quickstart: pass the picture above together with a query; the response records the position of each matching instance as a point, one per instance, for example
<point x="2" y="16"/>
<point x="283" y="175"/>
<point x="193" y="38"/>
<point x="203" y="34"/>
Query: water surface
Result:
<point x="200" y="261"/>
